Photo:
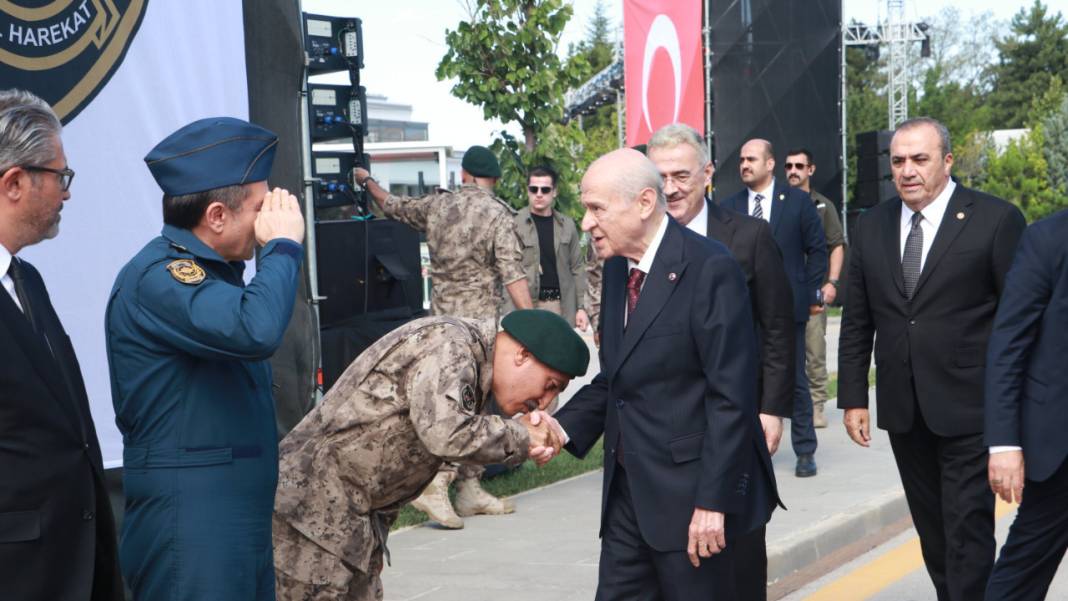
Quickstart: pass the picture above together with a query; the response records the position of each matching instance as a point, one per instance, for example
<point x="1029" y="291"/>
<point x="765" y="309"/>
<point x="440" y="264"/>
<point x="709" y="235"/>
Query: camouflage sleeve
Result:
<point x="442" y="399"/>
<point x="593" y="287"/>
<point x="577" y="261"/>
<point x="408" y="210"/>
<point x="506" y="251"/>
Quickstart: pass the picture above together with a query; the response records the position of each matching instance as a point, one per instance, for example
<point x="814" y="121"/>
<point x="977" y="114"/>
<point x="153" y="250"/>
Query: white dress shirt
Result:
<point x="646" y="264"/>
<point x="765" y="201"/>
<point x="699" y="224"/>
<point x="5" y="279"/>
<point x="932" y="218"/>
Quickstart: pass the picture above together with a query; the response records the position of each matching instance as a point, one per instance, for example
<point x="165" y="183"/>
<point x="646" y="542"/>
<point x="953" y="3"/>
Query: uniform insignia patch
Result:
<point x="467" y="397"/>
<point x="186" y="271"/>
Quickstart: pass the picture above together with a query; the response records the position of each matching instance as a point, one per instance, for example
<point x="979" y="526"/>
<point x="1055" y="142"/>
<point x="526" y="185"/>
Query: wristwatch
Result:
<point x="833" y="283"/>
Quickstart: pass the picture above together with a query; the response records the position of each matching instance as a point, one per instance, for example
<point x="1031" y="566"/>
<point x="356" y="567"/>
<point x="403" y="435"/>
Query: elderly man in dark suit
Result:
<point x="1026" y="397"/>
<point x="687" y="471"/>
<point x="681" y="156"/>
<point x="57" y="535"/>
<point x="925" y="276"/>
<point x="797" y="229"/>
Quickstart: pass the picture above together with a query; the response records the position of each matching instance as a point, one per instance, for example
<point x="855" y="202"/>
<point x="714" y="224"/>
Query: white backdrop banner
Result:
<point x="185" y="61"/>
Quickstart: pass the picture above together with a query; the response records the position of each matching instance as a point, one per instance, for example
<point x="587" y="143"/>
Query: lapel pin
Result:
<point x="672" y="277"/>
<point x="782" y="196"/>
<point x="960" y="215"/>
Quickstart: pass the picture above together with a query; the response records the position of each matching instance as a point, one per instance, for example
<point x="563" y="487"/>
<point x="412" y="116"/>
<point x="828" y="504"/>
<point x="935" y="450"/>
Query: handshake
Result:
<point x="546" y="436"/>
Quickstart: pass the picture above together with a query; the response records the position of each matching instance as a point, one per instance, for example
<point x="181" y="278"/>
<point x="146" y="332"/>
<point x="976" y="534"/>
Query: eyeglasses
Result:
<point x="680" y="178"/>
<point x="798" y="166"/>
<point x="66" y="175"/>
<point x="542" y="189"/>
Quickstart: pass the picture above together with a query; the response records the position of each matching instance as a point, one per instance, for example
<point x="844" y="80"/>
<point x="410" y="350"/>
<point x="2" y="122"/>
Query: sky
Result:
<point x="405" y="39"/>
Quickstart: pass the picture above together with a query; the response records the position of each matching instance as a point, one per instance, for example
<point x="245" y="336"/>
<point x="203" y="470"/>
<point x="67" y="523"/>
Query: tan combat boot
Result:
<point x="472" y="499"/>
<point x="435" y="502"/>
<point x="818" y="419"/>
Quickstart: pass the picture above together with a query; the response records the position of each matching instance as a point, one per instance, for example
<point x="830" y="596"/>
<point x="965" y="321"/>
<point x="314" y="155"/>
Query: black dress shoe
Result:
<point x="806" y="466"/>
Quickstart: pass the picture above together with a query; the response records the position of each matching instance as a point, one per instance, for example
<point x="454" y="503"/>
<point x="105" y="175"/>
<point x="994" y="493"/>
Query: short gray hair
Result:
<point x="28" y="130"/>
<point x="677" y="134"/>
<point x="629" y="184"/>
<point x="943" y="132"/>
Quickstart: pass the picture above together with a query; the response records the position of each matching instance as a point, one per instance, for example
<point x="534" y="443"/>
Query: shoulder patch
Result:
<point x="467" y="398"/>
<point x="186" y="271"/>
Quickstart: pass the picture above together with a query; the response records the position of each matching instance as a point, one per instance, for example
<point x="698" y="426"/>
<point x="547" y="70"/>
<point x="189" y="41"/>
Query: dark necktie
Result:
<point x="634" y="288"/>
<point x="15" y="271"/>
<point x="910" y="260"/>
<point x="758" y="211"/>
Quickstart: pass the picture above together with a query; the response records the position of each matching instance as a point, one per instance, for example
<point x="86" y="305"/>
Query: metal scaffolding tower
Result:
<point x="897" y="34"/>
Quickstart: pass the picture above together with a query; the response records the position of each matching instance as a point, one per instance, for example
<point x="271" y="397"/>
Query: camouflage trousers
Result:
<point x="304" y="571"/>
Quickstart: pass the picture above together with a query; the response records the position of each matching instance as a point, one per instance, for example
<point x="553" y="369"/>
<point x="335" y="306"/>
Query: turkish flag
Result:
<point x="663" y="72"/>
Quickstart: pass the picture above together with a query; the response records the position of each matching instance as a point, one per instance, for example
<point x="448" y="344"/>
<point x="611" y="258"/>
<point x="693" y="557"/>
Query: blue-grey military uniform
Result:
<point x="188" y="343"/>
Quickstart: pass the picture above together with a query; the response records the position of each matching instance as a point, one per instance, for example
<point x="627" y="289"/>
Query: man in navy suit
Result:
<point x="797" y="229"/>
<point x="687" y="471"/>
<point x="1026" y="397"/>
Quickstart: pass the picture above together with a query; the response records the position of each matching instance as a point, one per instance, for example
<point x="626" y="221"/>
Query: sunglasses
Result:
<point x="542" y="189"/>
<point x="66" y="175"/>
<point x="798" y="166"/>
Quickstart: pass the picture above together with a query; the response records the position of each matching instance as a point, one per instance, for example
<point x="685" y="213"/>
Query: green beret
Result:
<point x="550" y="339"/>
<point x="481" y="162"/>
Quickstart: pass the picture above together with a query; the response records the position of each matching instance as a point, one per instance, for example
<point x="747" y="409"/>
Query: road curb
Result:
<point x="807" y="546"/>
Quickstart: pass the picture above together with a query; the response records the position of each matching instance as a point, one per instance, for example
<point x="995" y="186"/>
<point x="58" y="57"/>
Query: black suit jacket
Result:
<point x="930" y="351"/>
<point x="798" y="230"/>
<point x="55" y="518"/>
<point x="679" y="385"/>
<point x="750" y="241"/>
<point x="1026" y="379"/>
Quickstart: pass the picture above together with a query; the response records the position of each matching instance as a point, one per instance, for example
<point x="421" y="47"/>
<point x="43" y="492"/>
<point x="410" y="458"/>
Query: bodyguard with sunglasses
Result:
<point x="552" y="251"/>
<point x="57" y="536"/>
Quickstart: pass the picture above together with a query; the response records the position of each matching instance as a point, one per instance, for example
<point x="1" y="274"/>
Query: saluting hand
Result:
<point x="279" y="217"/>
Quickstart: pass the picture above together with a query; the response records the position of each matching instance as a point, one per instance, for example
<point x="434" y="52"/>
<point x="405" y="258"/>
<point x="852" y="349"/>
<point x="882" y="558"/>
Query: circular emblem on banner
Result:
<point x="662" y="34"/>
<point x="65" y="51"/>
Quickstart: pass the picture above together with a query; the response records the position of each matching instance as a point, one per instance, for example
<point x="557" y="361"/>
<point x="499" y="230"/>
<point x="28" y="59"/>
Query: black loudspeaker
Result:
<point x="872" y="192"/>
<point x="875" y="180"/>
<point x="367" y="266"/>
<point x="874" y="142"/>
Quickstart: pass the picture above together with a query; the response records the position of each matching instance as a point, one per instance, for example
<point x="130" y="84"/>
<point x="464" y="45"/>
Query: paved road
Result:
<point x="894" y="571"/>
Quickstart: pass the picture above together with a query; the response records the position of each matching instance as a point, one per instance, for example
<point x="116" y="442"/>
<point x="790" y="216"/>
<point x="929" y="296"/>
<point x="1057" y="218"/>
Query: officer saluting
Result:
<point x="413" y="399"/>
<point x="188" y="344"/>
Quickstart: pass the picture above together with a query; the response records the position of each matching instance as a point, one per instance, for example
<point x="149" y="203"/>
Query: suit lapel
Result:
<point x="721" y="229"/>
<point x="958" y="210"/>
<point x="892" y="240"/>
<point x="660" y="282"/>
<point x="612" y="307"/>
<point x="778" y="204"/>
<point x="36" y="347"/>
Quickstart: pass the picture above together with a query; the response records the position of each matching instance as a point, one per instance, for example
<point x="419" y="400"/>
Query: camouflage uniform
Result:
<point x="474" y="250"/>
<point x="410" y="401"/>
<point x="593" y="286"/>
<point x="474" y="253"/>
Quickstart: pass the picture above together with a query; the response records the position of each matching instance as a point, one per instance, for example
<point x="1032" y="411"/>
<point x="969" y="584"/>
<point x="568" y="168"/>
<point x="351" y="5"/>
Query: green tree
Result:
<point x="1055" y="150"/>
<point x="1033" y="53"/>
<point x="866" y="107"/>
<point x="504" y="59"/>
<point x="1020" y="174"/>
